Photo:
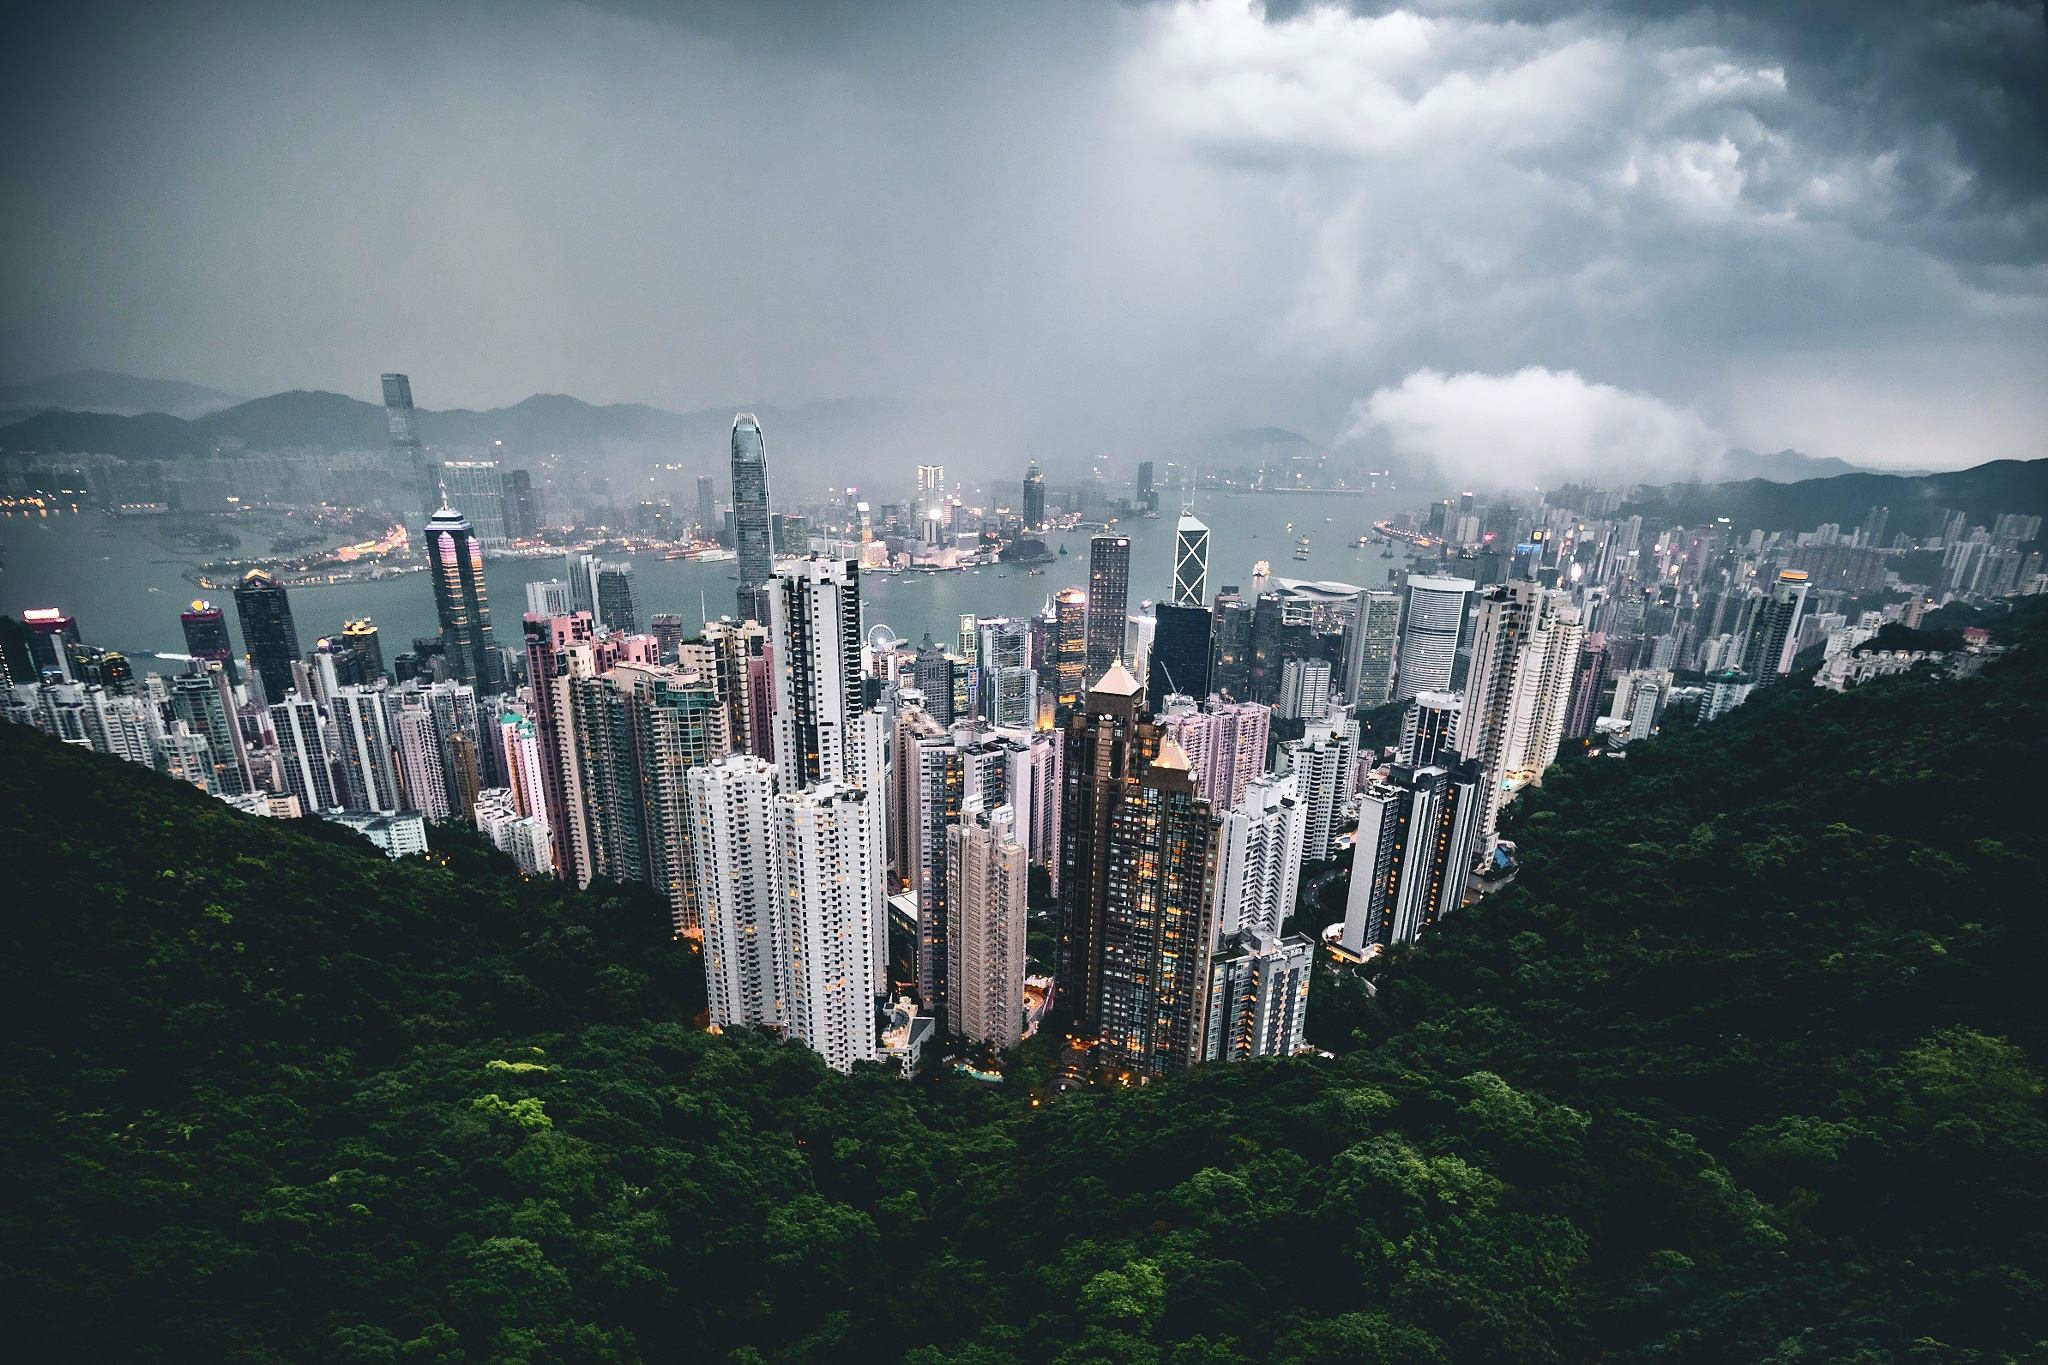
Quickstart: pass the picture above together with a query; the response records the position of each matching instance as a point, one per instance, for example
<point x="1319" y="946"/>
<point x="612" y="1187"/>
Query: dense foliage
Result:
<point x="1745" y="1066"/>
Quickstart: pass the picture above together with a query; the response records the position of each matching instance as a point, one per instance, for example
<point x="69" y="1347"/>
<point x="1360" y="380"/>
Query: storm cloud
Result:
<point x="1065" y="230"/>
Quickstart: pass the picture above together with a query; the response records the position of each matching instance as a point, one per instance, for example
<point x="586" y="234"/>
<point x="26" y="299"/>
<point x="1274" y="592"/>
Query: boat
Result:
<point x="1063" y="548"/>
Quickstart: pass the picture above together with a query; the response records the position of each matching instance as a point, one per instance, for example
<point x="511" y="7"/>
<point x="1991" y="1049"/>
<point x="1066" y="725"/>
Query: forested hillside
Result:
<point x="1746" y="1066"/>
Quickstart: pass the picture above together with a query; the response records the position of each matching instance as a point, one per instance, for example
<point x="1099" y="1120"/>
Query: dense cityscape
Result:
<point x="861" y="831"/>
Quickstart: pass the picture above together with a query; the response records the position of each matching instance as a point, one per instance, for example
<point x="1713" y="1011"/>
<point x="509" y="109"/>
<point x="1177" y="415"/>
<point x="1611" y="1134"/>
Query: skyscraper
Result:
<point x="1034" y="498"/>
<point x="1067" y="648"/>
<point x="986" y="893"/>
<point x="1417" y="834"/>
<point x="1370" y="648"/>
<point x="1259" y="864"/>
<point x="1137" y="859"/>
<point x="1322" y="760"/>
<point x="361" y="636"/>
<point x="455" y="559"/>
<point x="203" y="702"/>
<point x="51" y="637"/>
<point x="1773" y="638"/>
<point x="1230" y="646"/>
<point x="302" y="753"/>
<point x="1180" y="654"/>
<point x="1109" y="582"/>
<point x="1258" y="996"/>
<point x="363" y="744"/>
<point x="1148" y="496"/>
<point x="708" y="520"/>
<point x="1518" y="689"/>
<point x="738" y="873"/>
<point x="1429" y="729"/>
<point x="1190" y="562"/>
<point x="206" y="637"/>
<point x="408" y="452"/>
<point x="952" y="771"/>
<point x="618" y="598"/>
<point x="1429" y="646"/>
<point x="548" y="597"/>
<point x="834" y="936"/>
<point x="1304" y="689"/>
<point x="522" y="513"/>
<point x="582" y="571"/>
<point x="478" y="489"/>
<point x="753" y="537"/>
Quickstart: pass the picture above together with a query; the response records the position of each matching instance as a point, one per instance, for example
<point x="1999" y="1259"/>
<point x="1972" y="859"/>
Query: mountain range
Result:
<point x="109" y="391"/>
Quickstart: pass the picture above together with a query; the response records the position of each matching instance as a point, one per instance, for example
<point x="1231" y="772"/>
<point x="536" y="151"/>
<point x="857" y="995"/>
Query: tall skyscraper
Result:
<point x="206" y="637"/>
<point x="1137" y="860"/>
<point x="832" y="927"/>
<point x="1304" y="689"/>
<point x="408" y="451"/>
<point x="522" y="512"/>
<point x="738" y="867"/>
<point x="1067" y="650"/>
<point x="416" y="744"/>
<point x="1148" y="496"/>
<point x="708" y="520"/>
<point x="361" y="636"/>
<point x="1773" y="639"/>
<point x="51" y="637"/>
<point x="1034" y="498"/>
<point x="1370" y="648"/>
<point x="204" y="703"/>
<point x="952" y="771"/>
<point x="363" y="744"/>
<point x="986" y="892"/>
<point x="1322" y="760"/>
<point x="302" y="753"/>
<point x="1230" y="646"/>
<point x="618" y="598"/>
<point x="824" y="731"/>
<point x="1429" y="645"/>
<point x="1259" y="863"/>
<point x="1417" y="835"/>
<point x="1518" y="689"/>
<point x="1429" y="729"/>
<point x="583" y="571"/>
<point x="1109" y="583"/>
<point x="753" y="537"/>
<point x="1180" y="654"/>
<point x="455" y="560"/>
<point x="1588" y="677"/>
<point x="477" y="488"/>
<point x="1190" y="562"/>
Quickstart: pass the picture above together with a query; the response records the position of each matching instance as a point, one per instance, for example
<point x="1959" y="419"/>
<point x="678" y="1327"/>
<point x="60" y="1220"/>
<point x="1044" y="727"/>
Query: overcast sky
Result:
<point x="1515" y="236"/>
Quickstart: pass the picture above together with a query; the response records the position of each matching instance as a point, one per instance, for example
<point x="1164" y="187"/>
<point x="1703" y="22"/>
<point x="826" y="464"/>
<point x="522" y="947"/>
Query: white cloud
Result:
<point x="1533" y="427"/>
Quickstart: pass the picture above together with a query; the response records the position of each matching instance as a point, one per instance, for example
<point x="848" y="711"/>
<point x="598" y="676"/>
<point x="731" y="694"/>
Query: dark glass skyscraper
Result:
<point x="1109" y="588"/>
<point x="753" y="537"/>
<point x="522" y="516"/>
<point x="267" y="631"/>
<point x="206" y="637"/>
<point x="455" y="559"/>
<point x="1180" y="655"/>
<point x="408" y="452"/>
<point x="1034" y="498"/>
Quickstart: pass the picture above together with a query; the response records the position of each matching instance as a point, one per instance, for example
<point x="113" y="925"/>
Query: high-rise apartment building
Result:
<point x="1190" y="562"/>
<point x="1517" y="698"/>
<point x="1417" y="835"/>
<point x="477" y="489"/>
<point x="834" y="934"/>
<point x="753" y="536"/>
<point x="363" y="744"/>
<point x="1322" y="762"/>
<point x="1429" y="644"/>
<point x="361" y="636"/>
<point x="416" y="744"/>
<point x="1258" y="996"/>
<point x="302" y="753"/>
<point x="1259" y="863"/>
<point x="1429" y="729"/>
<point x="582" y="571"/>
<point x="1109" y="584"/>
<point x="408" y="451"/>
<point x="268" y="631"/>
<point x="738" y="873"/>
<point x="549" y="597"/>
<point x="203" y="701"/>
<point x="987" y="885"/>
<point x="1230" y="644"/>
<point x="1773" y="639"/>
<point x="1304" y="689"/>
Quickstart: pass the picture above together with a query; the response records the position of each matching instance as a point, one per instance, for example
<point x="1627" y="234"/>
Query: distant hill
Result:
<point x="108" y="391"/>
<point x="1982" y="492"/>
<point x="803" y="438"/>
<point x="1789" y="466"/>
<point x="1244" y="439"/>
